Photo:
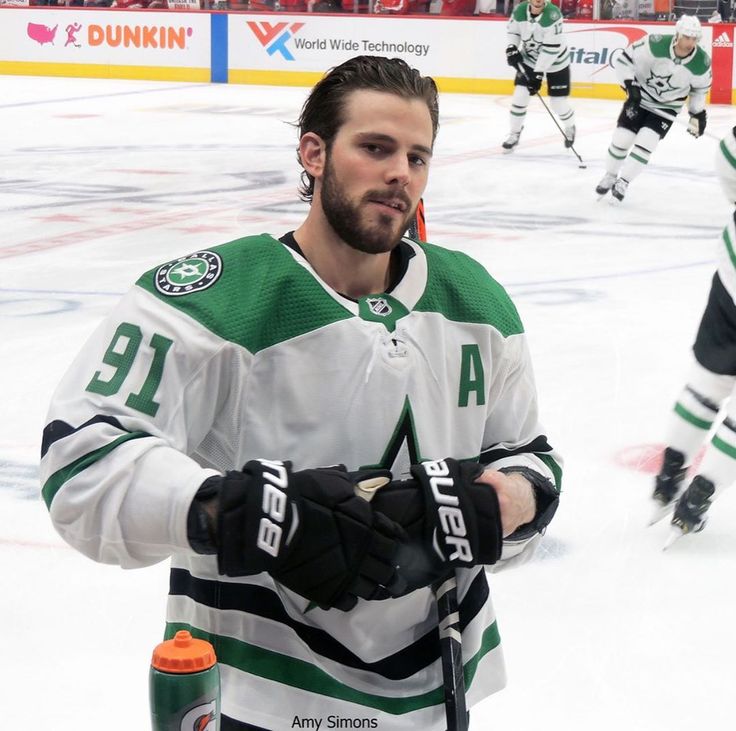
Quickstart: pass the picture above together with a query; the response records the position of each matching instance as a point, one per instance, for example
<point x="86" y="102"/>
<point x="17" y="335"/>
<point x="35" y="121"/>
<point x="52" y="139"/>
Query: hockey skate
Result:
<point x="668" y="484"/>
<point x="511" y="141"/>
<point x="690" y="513"/>
<point x="619" y="189"/>
<point x="605" y="184"/>
<point x="570" y="136"/>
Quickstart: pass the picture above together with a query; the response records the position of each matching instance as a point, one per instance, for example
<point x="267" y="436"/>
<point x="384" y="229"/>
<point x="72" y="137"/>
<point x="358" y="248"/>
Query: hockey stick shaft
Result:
<point x="453" y="675"/>
<point x="522" y="71"/>
<point x="445" y="592"/>
<point x="451" y="647"/>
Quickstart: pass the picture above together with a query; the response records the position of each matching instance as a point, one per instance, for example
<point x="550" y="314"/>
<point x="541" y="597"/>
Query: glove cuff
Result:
<point x="201" y="518"/>
<point x="547" y="499"/>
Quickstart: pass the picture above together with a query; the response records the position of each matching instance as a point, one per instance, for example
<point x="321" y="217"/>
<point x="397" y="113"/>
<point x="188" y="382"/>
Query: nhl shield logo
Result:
<point x="191" y="273"/>
<point x="378" y="306"/>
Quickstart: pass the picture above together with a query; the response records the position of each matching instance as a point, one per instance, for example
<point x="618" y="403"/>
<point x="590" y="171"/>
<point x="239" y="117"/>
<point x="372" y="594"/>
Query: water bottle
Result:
<point x="184" y="685"/>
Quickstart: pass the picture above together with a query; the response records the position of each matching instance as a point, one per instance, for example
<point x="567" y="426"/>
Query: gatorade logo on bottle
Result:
<point x="201" y="718"/>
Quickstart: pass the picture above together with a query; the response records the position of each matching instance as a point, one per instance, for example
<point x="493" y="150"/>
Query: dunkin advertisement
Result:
<point x="48" y="38"/>
<point x="463" y="54"/>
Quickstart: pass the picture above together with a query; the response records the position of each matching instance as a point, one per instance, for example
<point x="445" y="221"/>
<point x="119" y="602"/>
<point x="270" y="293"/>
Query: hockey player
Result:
<point x="659" y="73"/>
<point x="536" y="47"/>
<point x="710" y="385"/>
<point x="194" y="422"/>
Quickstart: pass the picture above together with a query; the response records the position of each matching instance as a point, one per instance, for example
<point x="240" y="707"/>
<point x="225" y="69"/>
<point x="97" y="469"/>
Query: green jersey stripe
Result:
<point x="300" y="674"/>
<point x="688" y="416"/>
<point x="727" y="154"/>
<point x="55" y="481"/>
<point x="724" y="447"/>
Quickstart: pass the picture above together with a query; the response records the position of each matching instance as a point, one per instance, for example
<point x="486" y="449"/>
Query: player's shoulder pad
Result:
<point x="551" y="14"/>
<point x="519" y="13"/>
<point x="459" y="288"/>
<point x="236" y="290"/>
<point x="660" y="44"/>
<point x="207" y="269"/>
<point x="699" y="63"/>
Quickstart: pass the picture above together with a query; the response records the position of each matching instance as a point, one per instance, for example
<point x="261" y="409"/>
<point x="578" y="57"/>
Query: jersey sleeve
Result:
<point x="513" y="31"/>
<point x="629" y="59"/>
<point x="700" y="84"/>
<point x="725" y="164"/>
<point x="139" y="398"/>
<point x="514" y="436"/>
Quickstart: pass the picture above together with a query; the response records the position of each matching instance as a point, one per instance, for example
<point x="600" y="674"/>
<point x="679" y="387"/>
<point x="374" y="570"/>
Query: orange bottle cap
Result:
<point x="183" y="654"/>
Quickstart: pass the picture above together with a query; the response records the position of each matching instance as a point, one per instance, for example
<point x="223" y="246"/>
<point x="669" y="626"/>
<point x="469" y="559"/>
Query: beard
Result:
<point x="344" y="216"/>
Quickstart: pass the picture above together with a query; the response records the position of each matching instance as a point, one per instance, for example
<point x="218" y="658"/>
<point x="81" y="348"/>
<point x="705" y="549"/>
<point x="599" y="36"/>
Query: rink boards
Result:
<point x="463" y="55"/>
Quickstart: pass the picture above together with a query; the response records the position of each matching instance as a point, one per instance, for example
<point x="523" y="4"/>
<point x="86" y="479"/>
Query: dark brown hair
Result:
<point x="323" y="111"/>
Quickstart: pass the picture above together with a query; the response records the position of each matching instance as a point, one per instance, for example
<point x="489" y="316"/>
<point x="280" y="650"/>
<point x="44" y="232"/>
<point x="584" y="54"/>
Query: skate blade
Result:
<point x="508" y="150"/>
<point x="675" y="535"/>
<point x="660" y="511"/>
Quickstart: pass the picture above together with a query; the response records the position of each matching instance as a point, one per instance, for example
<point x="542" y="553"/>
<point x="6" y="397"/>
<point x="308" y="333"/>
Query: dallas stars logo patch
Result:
<point x="660" y="84"/>
<point x="188" y="274"/>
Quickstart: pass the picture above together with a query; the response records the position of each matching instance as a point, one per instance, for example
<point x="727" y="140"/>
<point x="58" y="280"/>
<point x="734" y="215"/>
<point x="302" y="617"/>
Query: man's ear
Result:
<point x="313" y="154"/>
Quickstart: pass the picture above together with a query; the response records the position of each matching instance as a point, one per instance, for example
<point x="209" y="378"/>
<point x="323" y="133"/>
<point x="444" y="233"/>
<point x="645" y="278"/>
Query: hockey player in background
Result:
<point x="195" y="421"/>
<point x="710" y="385"/>
<point x="658" y="73"/>
<point x="537" y="48"/>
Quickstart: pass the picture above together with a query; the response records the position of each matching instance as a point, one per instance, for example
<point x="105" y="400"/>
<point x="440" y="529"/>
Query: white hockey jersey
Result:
<point x="540" y="38"/>
<point x="726" y="170"/>
<point x="666" y="80"/>
<point x="242" y="351"/>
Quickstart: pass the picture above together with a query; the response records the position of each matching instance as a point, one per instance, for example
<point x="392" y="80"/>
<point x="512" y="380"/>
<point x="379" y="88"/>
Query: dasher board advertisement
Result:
<point x="55" y="40"/>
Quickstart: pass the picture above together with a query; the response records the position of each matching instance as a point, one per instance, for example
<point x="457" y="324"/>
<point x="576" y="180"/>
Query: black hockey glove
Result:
<point x="307" y="529"/>
<point x="633" y="98"/>
<point x="534" y="82"/>
<point x="696" y="125"/>
<point x="513" y="56"/>
<point x="449" y="519"/>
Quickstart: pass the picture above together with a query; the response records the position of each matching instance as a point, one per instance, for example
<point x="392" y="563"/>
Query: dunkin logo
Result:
<point x="139" y="36"/>
<point x="114" y="36"/>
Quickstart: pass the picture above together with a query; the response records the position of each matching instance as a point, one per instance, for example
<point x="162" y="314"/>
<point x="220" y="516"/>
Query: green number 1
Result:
<point x="121" y="354"/>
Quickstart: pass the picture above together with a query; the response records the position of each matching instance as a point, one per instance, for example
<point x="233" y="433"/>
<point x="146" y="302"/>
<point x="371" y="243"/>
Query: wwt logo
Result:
<point x="274" y="36"/>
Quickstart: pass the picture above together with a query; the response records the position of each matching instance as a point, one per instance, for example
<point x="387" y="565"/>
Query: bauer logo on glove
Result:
<point x="449" y="514"/>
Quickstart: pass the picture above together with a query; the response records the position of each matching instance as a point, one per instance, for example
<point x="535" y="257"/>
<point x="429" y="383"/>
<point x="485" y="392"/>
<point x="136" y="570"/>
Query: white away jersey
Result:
<point x="666" y="80"/>
<point x="540" y="38"/>
<point x="726" y="170"/>
<point x="242" y="352"/>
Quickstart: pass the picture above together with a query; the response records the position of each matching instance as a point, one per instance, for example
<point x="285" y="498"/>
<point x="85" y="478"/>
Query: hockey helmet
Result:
<point x="689" y="25"/>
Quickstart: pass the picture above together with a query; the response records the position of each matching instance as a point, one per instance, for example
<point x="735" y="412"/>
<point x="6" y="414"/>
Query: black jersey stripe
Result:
<point x="265" y="603"/>
<point x="60" y="429"/>
<point x="540" y="444"/>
